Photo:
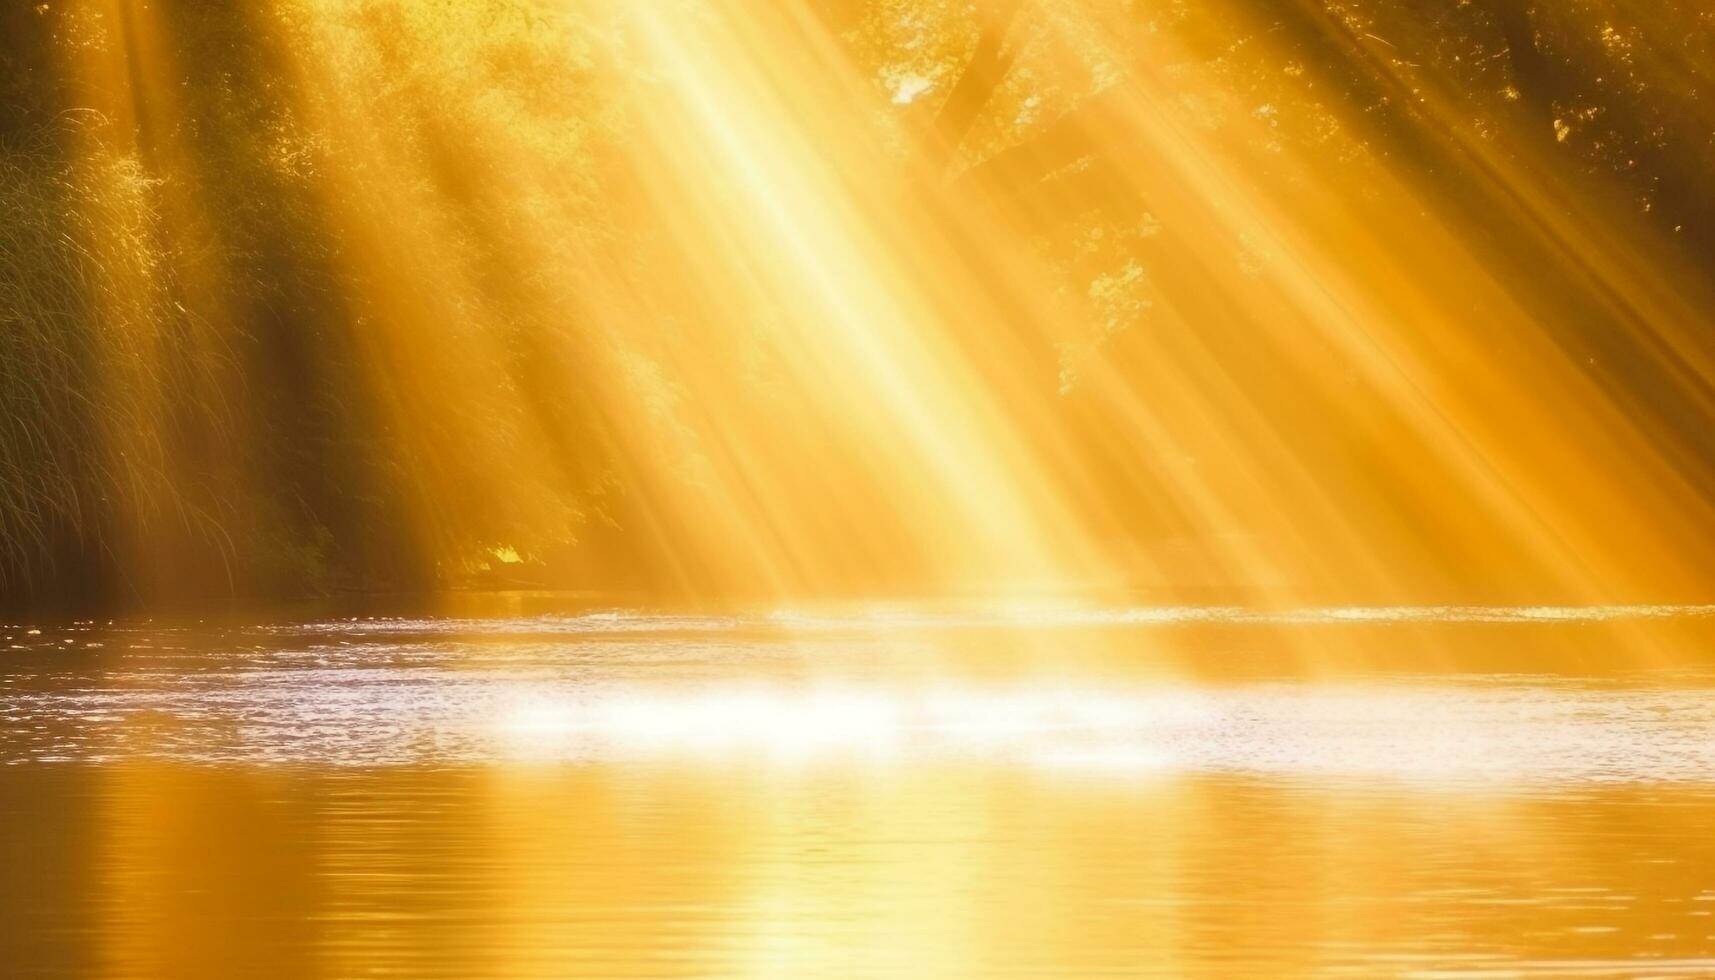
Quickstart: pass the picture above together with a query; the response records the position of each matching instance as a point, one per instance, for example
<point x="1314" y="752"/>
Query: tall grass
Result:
<point x="92" y="355"/>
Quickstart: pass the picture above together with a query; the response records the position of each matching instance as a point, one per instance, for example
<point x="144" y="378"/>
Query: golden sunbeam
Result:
<point x="821" y="300"/>
<point x="536" y="488"/>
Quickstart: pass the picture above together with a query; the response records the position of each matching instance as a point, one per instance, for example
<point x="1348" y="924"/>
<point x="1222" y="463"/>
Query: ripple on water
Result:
<point x="617" y="686"/>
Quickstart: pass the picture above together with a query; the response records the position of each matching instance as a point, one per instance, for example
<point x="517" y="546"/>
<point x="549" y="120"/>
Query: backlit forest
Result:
<point x="1262" y="300"/>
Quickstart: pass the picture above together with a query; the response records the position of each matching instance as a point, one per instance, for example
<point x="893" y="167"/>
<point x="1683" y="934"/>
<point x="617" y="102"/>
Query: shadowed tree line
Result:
<point x="1570" y="147"/>
<point x="1601" y="110"/>
<point x="186" y="408"/>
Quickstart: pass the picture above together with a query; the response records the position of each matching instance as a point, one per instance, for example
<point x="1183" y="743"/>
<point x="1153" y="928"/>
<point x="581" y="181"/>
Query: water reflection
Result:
<point x="521" y="802"/>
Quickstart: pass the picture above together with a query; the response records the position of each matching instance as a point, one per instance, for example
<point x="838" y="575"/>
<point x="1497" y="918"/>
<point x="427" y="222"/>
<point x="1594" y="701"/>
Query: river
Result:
<point x="1021" y="790"/>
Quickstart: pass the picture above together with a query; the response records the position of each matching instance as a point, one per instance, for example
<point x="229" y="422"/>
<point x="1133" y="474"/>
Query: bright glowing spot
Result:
<point x="1449" y="734"/>
<point x="906" y="88"/>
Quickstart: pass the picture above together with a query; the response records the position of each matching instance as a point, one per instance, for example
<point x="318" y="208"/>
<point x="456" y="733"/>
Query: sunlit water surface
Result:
<point x="1034" y="790"/>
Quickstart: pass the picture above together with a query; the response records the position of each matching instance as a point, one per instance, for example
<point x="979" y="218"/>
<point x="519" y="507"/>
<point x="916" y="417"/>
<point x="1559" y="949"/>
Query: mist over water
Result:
<point x="1057" y="689"/>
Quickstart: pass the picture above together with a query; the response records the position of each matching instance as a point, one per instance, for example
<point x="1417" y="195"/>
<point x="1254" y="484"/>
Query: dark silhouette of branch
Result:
<point x="988" y="66"/>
